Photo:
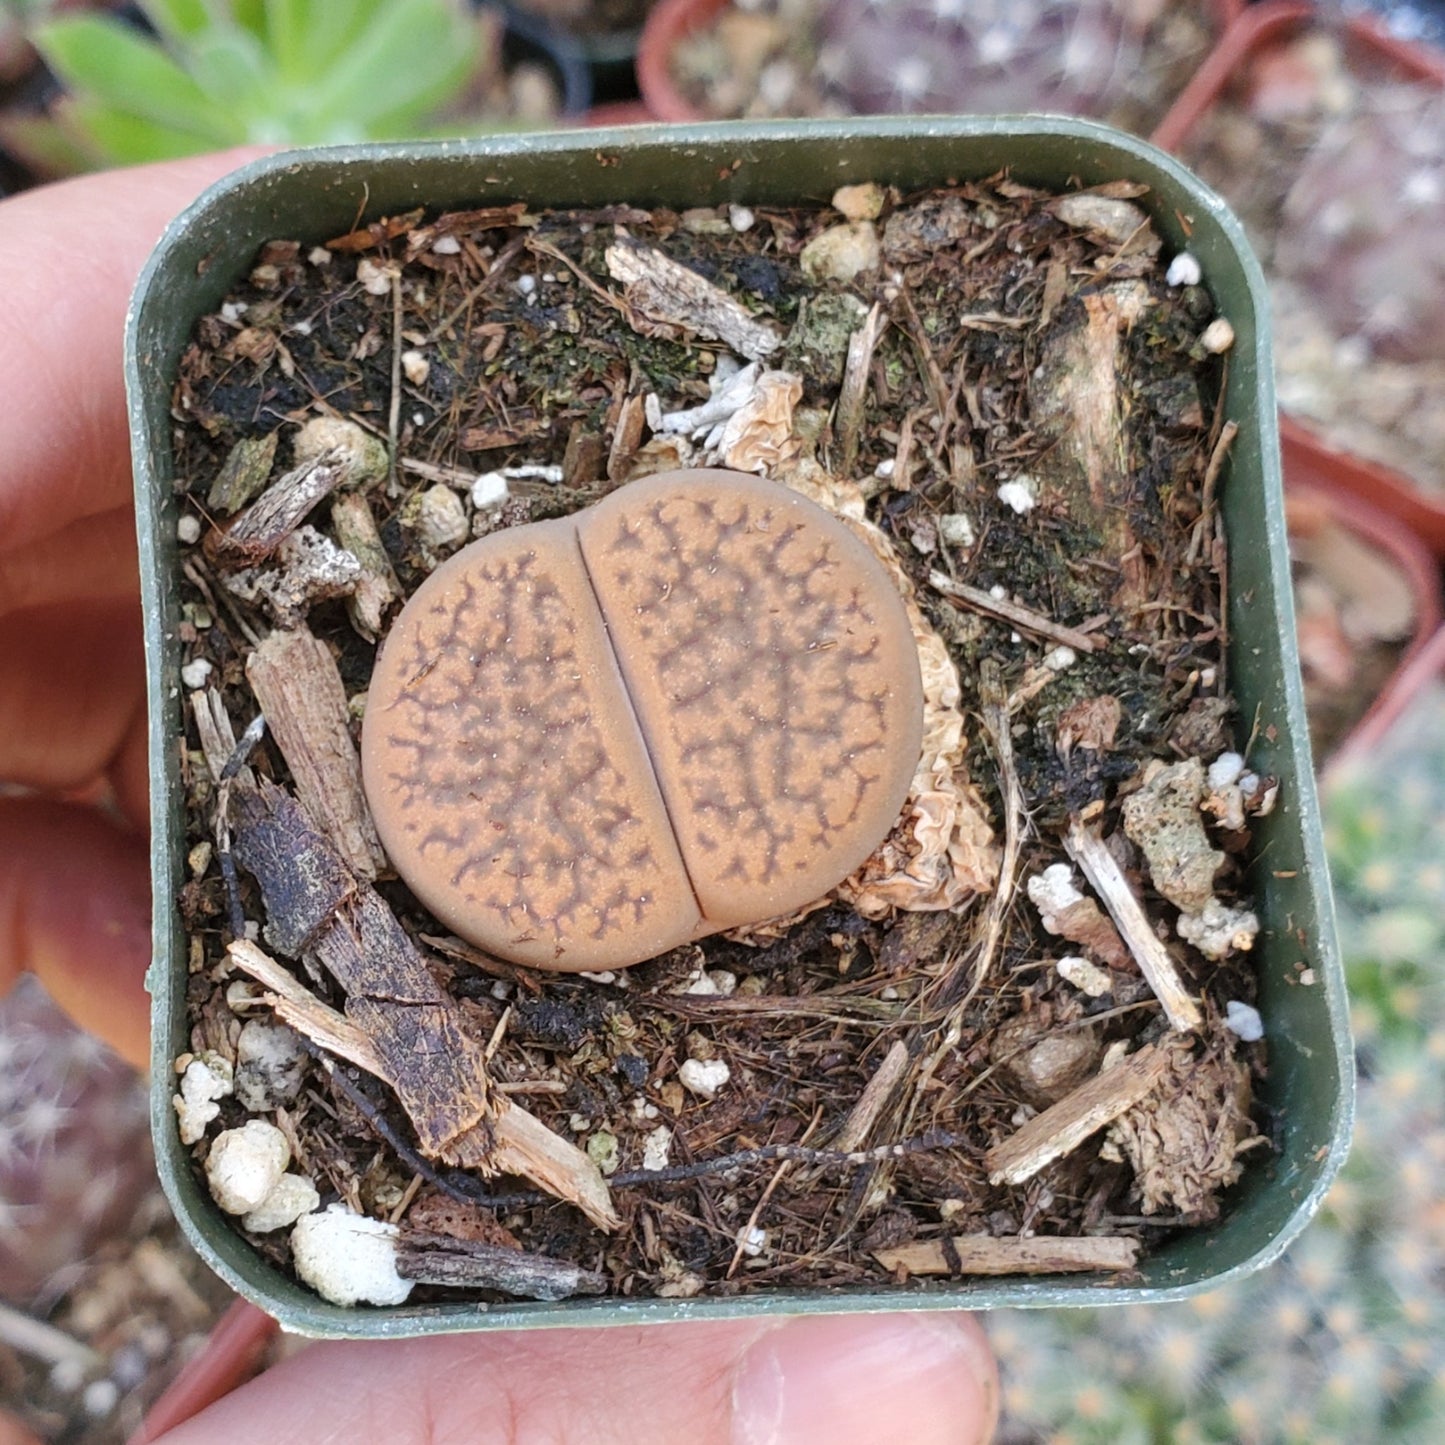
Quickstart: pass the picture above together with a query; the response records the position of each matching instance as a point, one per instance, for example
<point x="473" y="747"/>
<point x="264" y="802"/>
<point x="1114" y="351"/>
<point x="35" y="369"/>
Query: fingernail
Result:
<point x="929" y="1380"/>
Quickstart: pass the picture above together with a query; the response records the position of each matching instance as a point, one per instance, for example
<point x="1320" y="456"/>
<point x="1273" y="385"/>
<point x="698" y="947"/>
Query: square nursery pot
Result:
<point x="310" y="196"/>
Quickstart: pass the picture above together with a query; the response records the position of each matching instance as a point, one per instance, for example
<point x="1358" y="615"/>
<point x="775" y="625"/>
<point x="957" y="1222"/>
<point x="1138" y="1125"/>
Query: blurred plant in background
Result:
<point x="1344" y="1340"/>
<point x="215" y="73"/>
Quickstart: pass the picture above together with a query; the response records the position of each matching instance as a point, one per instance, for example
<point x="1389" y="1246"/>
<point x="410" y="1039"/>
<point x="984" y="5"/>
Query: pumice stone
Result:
<point x="693" y="706"/>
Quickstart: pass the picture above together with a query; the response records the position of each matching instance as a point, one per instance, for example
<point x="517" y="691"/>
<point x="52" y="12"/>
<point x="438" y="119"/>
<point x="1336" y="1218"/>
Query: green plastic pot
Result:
<point x="311" y="195"/>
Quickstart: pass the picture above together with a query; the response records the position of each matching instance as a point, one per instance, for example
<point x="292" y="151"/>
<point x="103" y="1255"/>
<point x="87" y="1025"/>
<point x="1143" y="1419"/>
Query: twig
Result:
<point x="1156" y="963"/>
<point x="874" y="1098"/>
<point x="1215" y="465"/>
<point x="445" y="1259"/>
<point x="1062" y="1127"/>
<point x="853" y="393"/>
<point x="778" y="1176"/>
<point x="43" y="1341"/>
<point x="393" y="420"/>
<point x="495" y="272"/>
<point x="1000" y="608"/>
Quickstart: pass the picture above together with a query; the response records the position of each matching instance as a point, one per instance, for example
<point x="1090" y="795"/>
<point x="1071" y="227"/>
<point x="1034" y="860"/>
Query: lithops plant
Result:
<point x="694" y="706"/>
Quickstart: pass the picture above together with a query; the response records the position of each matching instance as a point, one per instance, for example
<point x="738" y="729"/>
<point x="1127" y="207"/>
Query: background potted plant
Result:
<point x="191" y="79"/>
<point x="1117" y="62"/>
<point x="1325" y="134"/>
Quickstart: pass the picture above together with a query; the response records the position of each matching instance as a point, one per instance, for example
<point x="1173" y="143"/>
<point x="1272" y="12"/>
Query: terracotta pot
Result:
<point x="674" y="20"/>
<point x="1318" y="479"/>
<point x="1256" y="30"/>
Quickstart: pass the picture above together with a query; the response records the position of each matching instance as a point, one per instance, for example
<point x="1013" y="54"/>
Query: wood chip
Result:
<point x="853" y="393"/>
<point x="377" y="589"/>
<point x="512" y="1141"/>
<point x="1064" y="1126"/>
<point x="279" y="510"/>
<point x="667" y="300"/>
<point x="983" y="1254"/>
<point x="1156" y="963"/>
<point x="432" y="1258"/>
<point x="300" y="692"/>
<point x="243" y="474"/>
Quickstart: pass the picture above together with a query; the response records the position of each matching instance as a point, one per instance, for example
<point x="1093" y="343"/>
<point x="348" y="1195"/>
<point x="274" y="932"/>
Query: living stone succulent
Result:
<point x="694" y="706"/>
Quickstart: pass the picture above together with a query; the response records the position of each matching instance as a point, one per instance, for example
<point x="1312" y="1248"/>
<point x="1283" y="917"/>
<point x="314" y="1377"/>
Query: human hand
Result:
<point x="74" y="907"/>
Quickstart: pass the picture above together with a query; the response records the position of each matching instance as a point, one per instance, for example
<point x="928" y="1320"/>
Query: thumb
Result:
<point x="927" y="1379"/>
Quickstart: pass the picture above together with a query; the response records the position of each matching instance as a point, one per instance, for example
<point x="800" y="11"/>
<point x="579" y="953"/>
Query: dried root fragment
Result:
<point x="1184" y="1140"/>
<point x="309" y="568"/>
<point x="1165" y="818"/>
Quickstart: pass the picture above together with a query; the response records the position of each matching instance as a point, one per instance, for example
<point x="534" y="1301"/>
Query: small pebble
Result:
<point x="752" y="1240"/>
<point x="188" y="530"/>
<point x="375" y="279"/>
<point x="319" y="256"/>
<point x="956" y="529"/>
<point x="859" y="203"/>
<point x="1217" y="337"/>
<point x="1087" y="977"/>
<point x="1017" y="494"/>
<point x="1184" y="270"/>
<point x="347" y="1258"/>
<point x="489" y="490"/>
<point x="293" y="1196"/>
<point x="196" y="673"/>
<point x="416" y="367"/>
<point x="246" y="1164"/>
<point x="1243" y="1020"/>
<point x="446" y="246"/>
<point x="741" y="218"/>
<point x="656" y="1148"/>
<point x="100" y="1398"/>
<point x="704" y="1079"/>
<point x="841" y="253"/>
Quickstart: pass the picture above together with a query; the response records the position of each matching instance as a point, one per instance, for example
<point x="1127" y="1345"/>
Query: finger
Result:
<point x="72" y="676"/>
<point x="93" y="557"/>
<point x="75" y="909"/>
<point x="12" y="1432"/>
<point x="63" y="431"/>
<point x="924" y="1379"/>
